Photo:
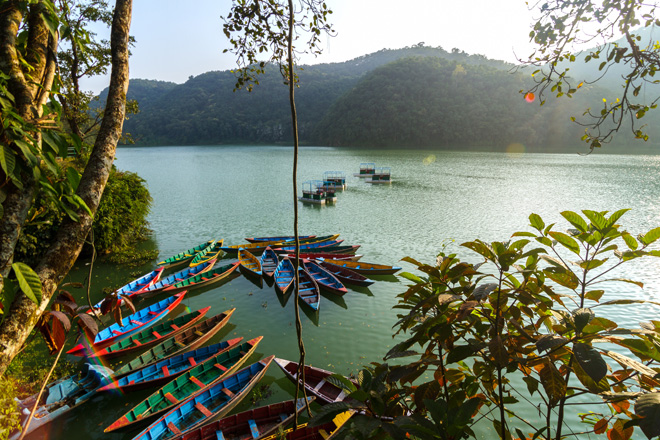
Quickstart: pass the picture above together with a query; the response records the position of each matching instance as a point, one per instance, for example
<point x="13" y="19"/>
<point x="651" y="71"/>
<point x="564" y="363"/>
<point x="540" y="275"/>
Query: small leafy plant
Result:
<point x="530" y="311"/>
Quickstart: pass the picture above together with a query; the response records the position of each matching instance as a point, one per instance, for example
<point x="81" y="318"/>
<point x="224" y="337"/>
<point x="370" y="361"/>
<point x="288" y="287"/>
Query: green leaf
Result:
<point x="563" y="277"/>
<point x="648" y="407"/>
<point x="576" y="220"/>
<point x="592" y="264"/>
<point x="7" y="159"/>
<point x="459" y="352"/>
<point x="536" y="222"/>
<point x="596" y="218"/>
<point x="625" y="280"/>
<point x="73" y="177"/>
<point x="28" y="281"/>
<point x="341" y="382"/>
<point x="566" y="240"/>
<point x="615" y="217"/>
<point x="590" y="360"/>
<point x="553" y="383"/>
<point x="480" y="248"/>
<point x="630" y="241"/>
<point x="582" y="317"/>
<point x="411" y="277"/>
<point x="632" y="364"/>
<point x="650" y="236"/>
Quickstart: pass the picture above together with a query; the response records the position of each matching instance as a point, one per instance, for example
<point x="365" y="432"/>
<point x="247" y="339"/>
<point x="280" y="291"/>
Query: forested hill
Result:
<point x="412" y="97"/>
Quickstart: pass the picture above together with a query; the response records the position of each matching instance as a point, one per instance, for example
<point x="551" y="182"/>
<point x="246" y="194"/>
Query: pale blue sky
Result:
<point x="175" y="41"/>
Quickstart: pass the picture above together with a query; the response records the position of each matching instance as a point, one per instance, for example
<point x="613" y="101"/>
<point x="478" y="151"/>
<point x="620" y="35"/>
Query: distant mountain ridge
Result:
<point x="491" y="112"/>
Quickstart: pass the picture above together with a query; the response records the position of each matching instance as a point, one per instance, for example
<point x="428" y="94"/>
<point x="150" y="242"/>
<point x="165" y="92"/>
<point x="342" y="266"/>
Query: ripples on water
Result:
<point x="235" y="192"/>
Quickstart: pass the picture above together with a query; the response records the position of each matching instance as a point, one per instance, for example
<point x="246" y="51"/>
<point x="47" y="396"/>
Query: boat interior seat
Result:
<point x="254" y="430"/>
<point x="218" y="435"/>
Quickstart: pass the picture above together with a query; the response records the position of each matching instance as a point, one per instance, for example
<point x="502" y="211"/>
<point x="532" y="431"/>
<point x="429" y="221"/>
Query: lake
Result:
<point x="438" y="200"/>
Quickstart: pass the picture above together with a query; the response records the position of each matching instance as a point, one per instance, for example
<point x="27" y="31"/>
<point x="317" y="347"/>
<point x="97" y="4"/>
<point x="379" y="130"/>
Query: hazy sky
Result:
<point x="176" y="41"/>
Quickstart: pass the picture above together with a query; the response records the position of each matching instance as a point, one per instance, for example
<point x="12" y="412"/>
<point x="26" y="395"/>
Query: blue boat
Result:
<point x="269" y="262"/>
<point x="308" y="247"/>
<point x="177" y="277"/>
<point x="308" y="290"/>
<point x="134" y="287"/>
<point x="323" y="278"/>
<point x="63" y="395"/>
<point x="167" y="369"/>
<point x="284" y="275"/>
<point x="208" y="404"/>
<point x="282" y="238"/>
<point x="130" y="325"/>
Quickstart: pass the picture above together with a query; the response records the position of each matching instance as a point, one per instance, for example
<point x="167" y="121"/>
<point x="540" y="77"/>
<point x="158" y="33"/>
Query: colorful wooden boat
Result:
<point x="315" y="381"/>
<point x="323" y="278"/>
<point x="183" y="387"/>
<point x="133" y="288"/>
<point x="254" y="248"/>
<point x="61" y="396"/>
<point x="284" y="275"/>
<point x="152" y="336"/>
<point x="269" y="262"/>
<point x="317" y="255"/>
<point x="212" y="402"/>
<point x="345" y="275"/>
<point x="211" y="252"/>
<point x="249" y="262"/>
<point x="365" y="268"/>
<point x="282" y="238"/>
<point x="325" y="431"/>
<point x="177" y="277"/>
<point x="310" y="247"/>
<point x="140" y="320"/>
<point x="225" y="359"/>
<point x="255" y="423"/>
<point x="204" y="279"/>
<point x="189" y="339"/>
<point x="308" y="291"/>
<point x="183" y="257"/>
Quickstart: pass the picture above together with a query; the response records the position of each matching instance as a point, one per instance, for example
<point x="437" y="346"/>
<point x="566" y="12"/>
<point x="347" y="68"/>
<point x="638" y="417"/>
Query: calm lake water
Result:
<point x="437" y="199"/>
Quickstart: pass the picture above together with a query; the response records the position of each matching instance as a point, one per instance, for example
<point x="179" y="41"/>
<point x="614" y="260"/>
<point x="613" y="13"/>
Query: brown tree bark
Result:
<point x="58" y="260"/>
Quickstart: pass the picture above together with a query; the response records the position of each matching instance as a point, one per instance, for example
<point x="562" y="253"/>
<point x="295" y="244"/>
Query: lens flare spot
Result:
<point x="428" y="160"/>
<point x="515" y="150"/>
<point x="529" y="97"/>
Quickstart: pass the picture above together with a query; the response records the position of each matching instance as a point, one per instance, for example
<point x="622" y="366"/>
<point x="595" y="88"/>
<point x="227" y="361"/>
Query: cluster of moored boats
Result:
<point x="196" y="384"/>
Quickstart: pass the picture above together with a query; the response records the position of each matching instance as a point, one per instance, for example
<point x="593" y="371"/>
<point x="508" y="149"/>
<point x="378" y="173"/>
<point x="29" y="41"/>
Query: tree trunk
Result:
<point x="58" y="260"/>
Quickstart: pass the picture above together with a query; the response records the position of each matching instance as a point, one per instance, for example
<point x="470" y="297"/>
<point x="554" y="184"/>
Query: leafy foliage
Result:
<point x="565" y="27"/>
<point x="530" y="310"/>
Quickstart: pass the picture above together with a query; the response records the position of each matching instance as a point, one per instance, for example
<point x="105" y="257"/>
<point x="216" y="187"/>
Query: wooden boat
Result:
<point x="189" y="339"/>
<point x="269" y="262"/>
<point x="212" y="402"/>
<point x="325" y="431"/>
<point x="318" y="255"/>
<point x="133" y="288"/>
<point x="365" y="268"/>
<point x="204" y="279"/>
<point x="182" y="388"/>
<point x="254" y="248"/>
<point x="282" y="238"/>
<point x="211" y="252"/>
<point x="61" y="396"/>
<point x="152" y="336"/>
<point x="323" y="278"/>
<point x="346" y="275"/>
<point x="140" y="320"/>
<point x="308" y="290"/>
<point x="249" y="262"/>
<point x="315" y="381"/>
<point x="225" y="359"/>
<point x="367" y="169"/>
<point x="183" y="257"/>
<point x="255" y="423"/>
<point x="284" y="275"/>
<point x="179" y="276"/>
<point x="308" y="247"/>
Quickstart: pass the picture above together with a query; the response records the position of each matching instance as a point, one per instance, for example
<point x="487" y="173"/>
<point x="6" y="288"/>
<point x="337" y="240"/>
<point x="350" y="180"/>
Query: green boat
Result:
<point x="184" y="257"/>
<point x="214" y="250"/>
<point x="194" y="380"/>
<point x="151" y="336"/>
<point x="203" y="279"/>
<point x="189" y="339"/>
